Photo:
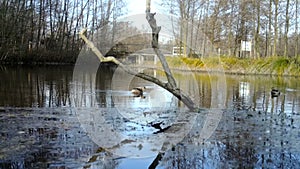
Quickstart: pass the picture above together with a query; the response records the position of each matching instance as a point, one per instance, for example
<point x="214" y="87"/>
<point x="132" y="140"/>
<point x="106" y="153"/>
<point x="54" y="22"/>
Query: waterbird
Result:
<point x="156" y="125"/>
<point x="138" y="91"/>
<point x="275" y="92"/>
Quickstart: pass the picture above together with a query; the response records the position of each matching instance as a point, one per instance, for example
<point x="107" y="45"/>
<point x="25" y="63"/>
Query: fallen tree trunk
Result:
<point x="170" y="85"/>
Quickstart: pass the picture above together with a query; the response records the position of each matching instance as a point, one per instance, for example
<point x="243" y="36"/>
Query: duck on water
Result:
<point x="138" y="91"/>
<point x="275" y="92"/>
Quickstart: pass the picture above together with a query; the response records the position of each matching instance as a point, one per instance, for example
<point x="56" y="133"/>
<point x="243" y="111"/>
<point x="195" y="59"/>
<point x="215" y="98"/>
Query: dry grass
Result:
<point x="270" y="65"/>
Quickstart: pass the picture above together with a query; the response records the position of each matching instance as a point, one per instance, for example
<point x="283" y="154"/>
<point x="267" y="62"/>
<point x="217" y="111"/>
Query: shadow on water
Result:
<point x="40" y="127"/>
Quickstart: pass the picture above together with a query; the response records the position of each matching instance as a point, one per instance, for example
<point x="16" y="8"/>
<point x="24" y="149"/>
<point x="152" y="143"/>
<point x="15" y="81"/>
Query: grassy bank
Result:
<point x="267" y="66"/>
<point x="282" y="66"/>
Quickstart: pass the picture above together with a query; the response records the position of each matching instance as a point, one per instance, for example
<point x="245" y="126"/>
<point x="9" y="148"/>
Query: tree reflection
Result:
<point x="35" y="87"/>
<point x="103" y="85"/>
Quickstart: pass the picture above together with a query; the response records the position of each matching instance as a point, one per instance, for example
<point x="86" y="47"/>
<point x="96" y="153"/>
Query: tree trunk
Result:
<point x="286" y="28"/>
<point x="296" y="30"/>
<point x="257" y="41"/>
<point x="275" y="28"/>
<point x="268" y="33"/>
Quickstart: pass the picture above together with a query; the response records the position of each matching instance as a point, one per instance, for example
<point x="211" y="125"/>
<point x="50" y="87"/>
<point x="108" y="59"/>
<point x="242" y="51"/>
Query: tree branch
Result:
<point x="168" y="86"/>
<point x="155" y="34"/>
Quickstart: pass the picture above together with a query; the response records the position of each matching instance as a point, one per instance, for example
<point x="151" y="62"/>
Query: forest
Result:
<point x="47" y="30"/>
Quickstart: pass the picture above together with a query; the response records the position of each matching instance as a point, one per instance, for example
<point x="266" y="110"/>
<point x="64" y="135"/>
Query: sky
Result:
<point x="136" y="7"/>
<point x="139" y="6"/>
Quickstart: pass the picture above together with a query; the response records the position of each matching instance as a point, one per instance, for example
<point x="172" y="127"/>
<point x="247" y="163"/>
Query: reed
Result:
<point x="271" y="65"/>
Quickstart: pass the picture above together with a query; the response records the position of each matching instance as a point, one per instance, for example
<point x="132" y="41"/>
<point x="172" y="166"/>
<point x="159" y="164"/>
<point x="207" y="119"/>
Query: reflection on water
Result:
<point x="35" y="87"/>
<point x="40" y="127"/>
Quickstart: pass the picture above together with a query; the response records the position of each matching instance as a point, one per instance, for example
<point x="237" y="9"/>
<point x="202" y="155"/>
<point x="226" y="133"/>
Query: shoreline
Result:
<point x="147" y="66"/>
<point x="212" y="70"/>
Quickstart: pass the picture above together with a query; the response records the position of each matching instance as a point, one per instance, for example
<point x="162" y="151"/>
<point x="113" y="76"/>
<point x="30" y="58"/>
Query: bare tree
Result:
<point x="276" y="6"/>
<point x="287" y="25"/>
<point x="268" y="49"/>
<point x="44" y="27"/>
<point x="257" y="31"/>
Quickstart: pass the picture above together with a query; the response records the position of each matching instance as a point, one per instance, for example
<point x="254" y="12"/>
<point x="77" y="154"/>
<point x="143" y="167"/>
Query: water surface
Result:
<point x="50" y="118"/>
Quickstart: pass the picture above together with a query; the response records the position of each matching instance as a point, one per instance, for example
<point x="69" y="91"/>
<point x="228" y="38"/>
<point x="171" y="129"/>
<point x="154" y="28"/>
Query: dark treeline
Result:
<point x="47" y="30"/>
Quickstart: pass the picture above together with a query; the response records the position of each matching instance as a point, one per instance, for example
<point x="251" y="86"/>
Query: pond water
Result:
<point x="57" y="117"/>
